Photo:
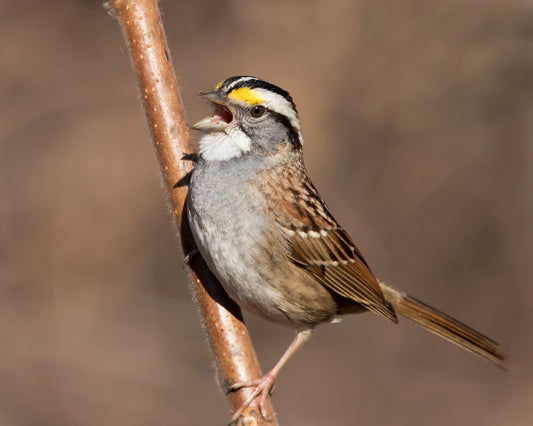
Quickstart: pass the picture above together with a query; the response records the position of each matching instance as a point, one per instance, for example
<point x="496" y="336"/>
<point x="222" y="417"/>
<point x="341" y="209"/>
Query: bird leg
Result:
<point x="264" y="385"/>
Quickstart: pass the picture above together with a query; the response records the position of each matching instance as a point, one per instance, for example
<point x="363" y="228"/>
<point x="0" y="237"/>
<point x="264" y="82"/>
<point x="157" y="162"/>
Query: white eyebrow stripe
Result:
<point x="279" y="104"/>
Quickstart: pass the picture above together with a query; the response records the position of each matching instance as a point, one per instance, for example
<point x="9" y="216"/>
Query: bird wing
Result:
<point x="318" y="244"/>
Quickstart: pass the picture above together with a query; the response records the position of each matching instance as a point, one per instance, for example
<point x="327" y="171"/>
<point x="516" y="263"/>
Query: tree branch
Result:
<point x="234" y="355"/>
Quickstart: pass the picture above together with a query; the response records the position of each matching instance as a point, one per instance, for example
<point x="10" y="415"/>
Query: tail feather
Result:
<point x="443" y="325"/>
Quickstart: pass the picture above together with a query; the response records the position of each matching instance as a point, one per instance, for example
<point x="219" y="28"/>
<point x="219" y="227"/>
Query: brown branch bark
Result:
<point x="233" y="352"/>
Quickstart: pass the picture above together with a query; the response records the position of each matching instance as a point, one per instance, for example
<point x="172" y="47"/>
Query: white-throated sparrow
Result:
<point x="268" y="236"/>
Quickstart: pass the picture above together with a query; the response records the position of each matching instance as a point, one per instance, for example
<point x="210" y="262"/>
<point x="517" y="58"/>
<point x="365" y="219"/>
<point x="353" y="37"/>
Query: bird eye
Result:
<point x="257" y="111"/>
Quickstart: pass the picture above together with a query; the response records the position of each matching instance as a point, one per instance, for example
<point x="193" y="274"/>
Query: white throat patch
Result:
<point x="220" y="146"/>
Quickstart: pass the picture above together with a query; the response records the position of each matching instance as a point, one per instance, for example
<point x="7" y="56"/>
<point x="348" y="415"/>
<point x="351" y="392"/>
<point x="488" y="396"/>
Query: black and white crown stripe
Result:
<point x="275" y="98"/>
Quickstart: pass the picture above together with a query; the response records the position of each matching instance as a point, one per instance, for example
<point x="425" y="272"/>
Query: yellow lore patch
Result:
<point x="245" y="94"/>
<point x="219" y="85"/>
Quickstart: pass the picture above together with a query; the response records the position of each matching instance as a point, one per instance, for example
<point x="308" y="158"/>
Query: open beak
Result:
<point x="221" y="117"/>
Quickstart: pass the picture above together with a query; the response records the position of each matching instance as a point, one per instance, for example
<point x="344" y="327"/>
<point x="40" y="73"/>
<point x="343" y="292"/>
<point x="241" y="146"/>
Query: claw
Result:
<point x="264" y="385"/>
<point x="263" y="389"/>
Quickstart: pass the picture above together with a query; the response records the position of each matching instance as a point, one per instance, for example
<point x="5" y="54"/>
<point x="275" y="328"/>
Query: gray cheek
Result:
<point x="267" y="135"/>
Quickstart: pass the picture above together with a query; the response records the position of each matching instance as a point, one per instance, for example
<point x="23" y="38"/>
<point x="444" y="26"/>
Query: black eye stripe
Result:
<point x="293" y="134"/>
<point x="250" y="82"/>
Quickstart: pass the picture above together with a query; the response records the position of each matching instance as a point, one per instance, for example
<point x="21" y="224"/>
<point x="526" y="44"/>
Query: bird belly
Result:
<point x="240" y="251"/>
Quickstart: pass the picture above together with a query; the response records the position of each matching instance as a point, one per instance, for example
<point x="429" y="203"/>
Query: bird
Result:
<point x="268" y="236"/>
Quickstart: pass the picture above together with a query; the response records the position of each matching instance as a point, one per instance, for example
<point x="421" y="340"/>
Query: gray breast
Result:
<point x="224" y="200"/>
<point x="227" y="220"/>
<point x="230" y="222"/>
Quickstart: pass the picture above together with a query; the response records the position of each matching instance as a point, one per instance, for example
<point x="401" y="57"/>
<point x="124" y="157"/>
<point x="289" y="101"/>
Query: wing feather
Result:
<point x="327" y="252"/>
<point x="315" y="242"/>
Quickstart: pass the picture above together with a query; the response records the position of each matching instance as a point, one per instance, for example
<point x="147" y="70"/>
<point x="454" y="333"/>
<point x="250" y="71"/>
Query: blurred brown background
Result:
<point x="418" y="124"/>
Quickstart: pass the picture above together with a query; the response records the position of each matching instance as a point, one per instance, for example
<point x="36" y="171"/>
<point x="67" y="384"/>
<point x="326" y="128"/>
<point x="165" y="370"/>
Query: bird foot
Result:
<point x="263" y="389"/>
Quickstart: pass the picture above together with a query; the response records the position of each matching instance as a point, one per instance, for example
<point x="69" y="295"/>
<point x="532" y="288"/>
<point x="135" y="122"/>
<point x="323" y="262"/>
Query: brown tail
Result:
<point x="443" y="325"/>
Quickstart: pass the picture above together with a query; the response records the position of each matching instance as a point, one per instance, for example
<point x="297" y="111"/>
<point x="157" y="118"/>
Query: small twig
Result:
<point x="234" y="355"/>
